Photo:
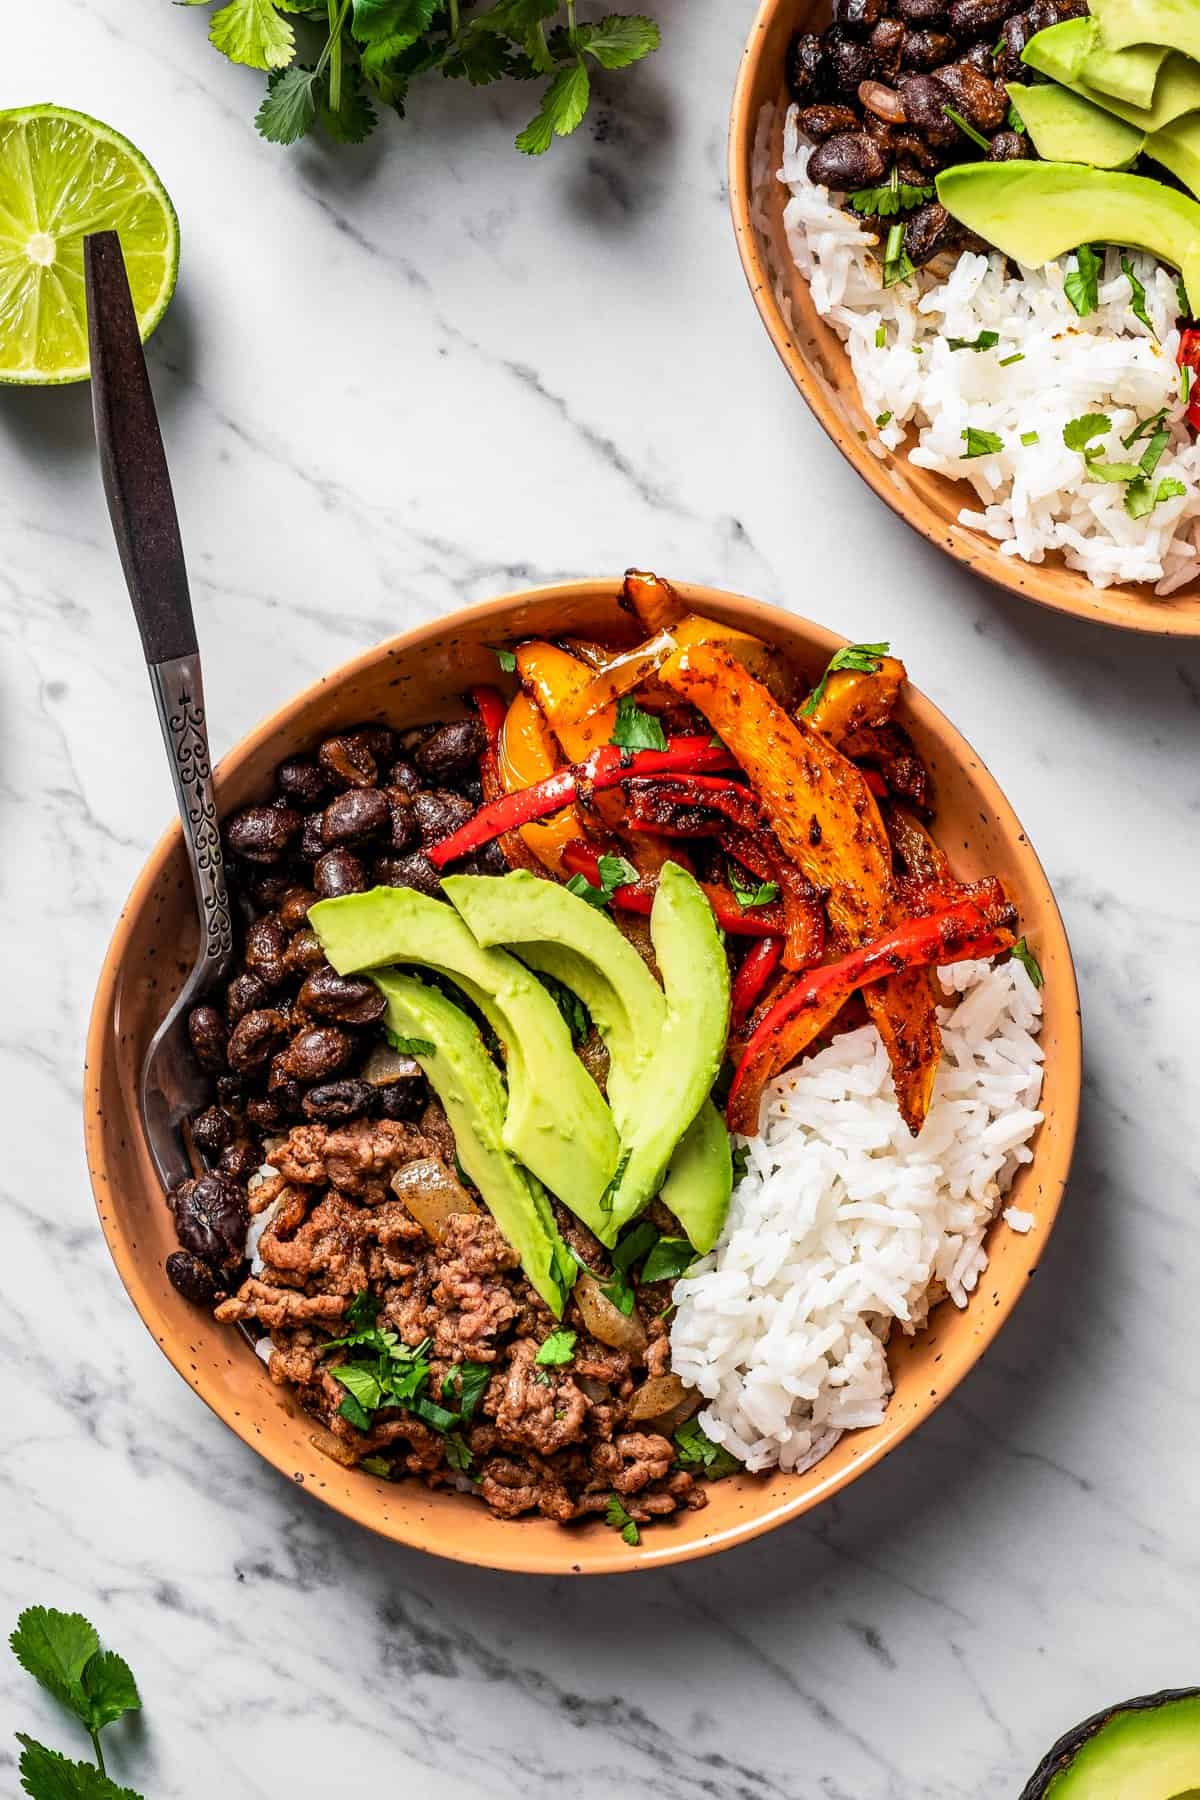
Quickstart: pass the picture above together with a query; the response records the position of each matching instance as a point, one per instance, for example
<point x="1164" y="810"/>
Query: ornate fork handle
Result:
<point x="179" y="698"/>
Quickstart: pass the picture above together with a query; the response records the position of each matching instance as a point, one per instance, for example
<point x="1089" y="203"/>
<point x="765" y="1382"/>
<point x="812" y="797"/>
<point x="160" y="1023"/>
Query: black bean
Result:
<point x="335" y="1101"/>
<point x="316" y="1053"/>
<point x="293" y="908"/>
<point x="925" y="101"/>
<point x="849" y="60"/>
<point x="212" y="1129"/>
<point x="357" y="814"/>
<point x="976" y="18"/>
<point x="880" y="132"/>
<point x="191" y="1278"/>
<point x="887" y="41"/>
<point x="403" y="1100"/>
<point x="261" y="834"/>
<point x="858" y="15"/>
<point x="380" y="740"/>
<point x="824" y="118"/>
<point x="231" y="1090"/>
<point x="489" y="859"/>
<point x="847" y="161"/>
<point x="345" y="999"/>
<point x="438" y="814"/>
<point x="267" y="1112"/>
<point x="924" y="50"/>
<point x="347" y="761"/>
<point x="267" y="888"/>
<point x="266" y="948"/>
<point x="304" y="952"/>
<point x="981" y="102"/>
<point x="338" y="872"/>
<point x="1007" y="146"/>
<point x="311" y="841"/>
<point x="244" y="991"/>
<point x="979" y="56"/>
<point x="807" y="69"/>
<point x="206" y="1028"/>
<point x="239" y="1161"/>
<point x="211" y="1216"/>
<point x="405" y="776"/>
<point x="922" y="12"/>
<point x="472" y="787"/>
<point x="254" y="1040"/>
<point x="928" y="230"/>
<point x="416" y="735"/>
<point x="301" y="781"/>
<point x="413" y="870"/>
<point x="404" y="832"/>
<point x="452" y="750"/>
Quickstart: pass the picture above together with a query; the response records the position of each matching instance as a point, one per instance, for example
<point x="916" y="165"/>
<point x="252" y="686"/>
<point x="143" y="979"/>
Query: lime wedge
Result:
<point x="63" y="175"/>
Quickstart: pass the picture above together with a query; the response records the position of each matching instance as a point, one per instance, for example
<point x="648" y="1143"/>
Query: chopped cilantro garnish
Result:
<point x="465" y="1383"/>
<point x="635" y="729"/>
<point x="897" y="265"/>
<point x="1181" y="294"/>
<point x="505" y="658"/>
<point x="894" y="196"/>
<point x="1082" y="285"/>
<point x="1006" y="362"/>
<point x="1030" y="437"/>
<point x="862" y="657"/>
<point x="1145" y="428"/>
<point x="1185" y="383"/>
<point x="634" y="1245"/>
<point x="698" y="1452"/>
<point x="882" y="419"/>
<point x="569" y="1005"/>
<point x="377" y="1465"/>
<point x="881" y="339"/>
<point x="740" y="1157"/>
<point x="616" y="1516"/>
<point x="1079" y="433"/>
<point x="618" y="1176"/>
<point x="987" y="340"/>
<point x="668" y="1260"/>
<point x="1014" y="121"/>
<point x="762" y="893"/>
<point x="981" y="443"/>
<point x="966" y="127"/>
<point x="558" y="1348"/>
<point x="409" y="1046"/>
<point x="1137" y="305"/>
<point x="1141" y="498"/>
<point x="1028" y="961"/>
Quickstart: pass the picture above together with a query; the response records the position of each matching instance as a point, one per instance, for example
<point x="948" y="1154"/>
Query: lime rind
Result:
<point x="64" y="175"/>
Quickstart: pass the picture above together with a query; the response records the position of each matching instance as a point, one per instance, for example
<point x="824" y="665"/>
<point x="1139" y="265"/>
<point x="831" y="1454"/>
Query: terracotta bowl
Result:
<point x="820" y="368"/>
<point x="408" y="680"/>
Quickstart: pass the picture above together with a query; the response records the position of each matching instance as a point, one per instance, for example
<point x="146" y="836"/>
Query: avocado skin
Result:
<point x="1058" y="1760"/>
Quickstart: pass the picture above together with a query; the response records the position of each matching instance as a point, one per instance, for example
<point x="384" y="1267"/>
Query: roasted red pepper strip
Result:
<point x="604" y="768"/>
<point x="491" y="706"/>
<point x="956" y="934"/>
<point x="758" y="965"/>
<point x="875" y="782"/>
<point x="756" y="922"/>
<point x="1189" y="358"/>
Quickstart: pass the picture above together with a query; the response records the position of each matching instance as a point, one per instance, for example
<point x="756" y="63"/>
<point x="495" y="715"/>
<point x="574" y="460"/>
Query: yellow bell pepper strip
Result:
<point x="827" y="821"/>
<point x="526" y="754"/>
<point x="653" y="601"/>
<point x="848" y="698"/>
<point x="981" y="926"/>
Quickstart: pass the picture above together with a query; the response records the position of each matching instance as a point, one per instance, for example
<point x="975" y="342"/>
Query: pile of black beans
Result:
<point x="286" y="1042"/>
<point x="873" y="89"/>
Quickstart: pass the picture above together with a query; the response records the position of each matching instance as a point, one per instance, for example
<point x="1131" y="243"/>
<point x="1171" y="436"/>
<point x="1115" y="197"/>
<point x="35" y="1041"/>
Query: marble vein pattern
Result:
<point x="393" y="381"/>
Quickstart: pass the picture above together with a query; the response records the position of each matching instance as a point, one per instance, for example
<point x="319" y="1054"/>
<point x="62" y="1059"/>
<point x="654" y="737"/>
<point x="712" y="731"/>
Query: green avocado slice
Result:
<point x="1067" y="128"/>
<point x="1061" y="50"/>
<point x="1147" y="1749"/>
<point x="1128" y="74"/>
<point x="1177" y="147"/>
<point x="468" y="1084"/>
<point x="561" y="935"/>
<point x="1124" y="23"/>
<point x="556" y="1121"/>
<point x="1035" y="211"/>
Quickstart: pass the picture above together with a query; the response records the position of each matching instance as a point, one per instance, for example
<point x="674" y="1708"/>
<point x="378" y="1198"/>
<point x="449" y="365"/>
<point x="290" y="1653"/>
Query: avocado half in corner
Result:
<point x="1146" y="1749"/>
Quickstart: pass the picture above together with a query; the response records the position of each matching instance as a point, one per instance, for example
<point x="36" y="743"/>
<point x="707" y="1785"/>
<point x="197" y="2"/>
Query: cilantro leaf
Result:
<point x="697" y="1451"/>
<point x="1153" y="453"/>
<point x="740" y="1157"/>
<point x="981" y="443"/>
<point x="1102" y="471"/>
<point x="377" y="1465"/>
<point x="505" y="658"/>
<point x="109" y="1689"/>
<point x="761" y="894"/>
<point x="524" y="21"/>
<point x="633" y="1245"/>
<point x="862" y="657"/>
<point x="893" y="197"/>
<point x="1141" y="498"/>
<point x="1014" y="121"/>
<point x="1031" y="437"/>
<point x="1145" y="428"/>
<point x="619" y="1291"/>
<point x="558" y="1348"/>
<point x="289" y="107"/>
<point x="1082" y="285"/>
<point x="403" y="20"/>
<point x="1079" y="433"/>
<point x="987" y="340"/>
<point x="458" y="1452"/>
<point x="569" y="1005"/>
<point x="619" y="39"/>
<point x="252" y="32"/>
<point x="363" y="1383"/>
<point x="55" y="1648"/>
<point x="563" y="106"/>
<point x="45" y="1775"/>
<point x="635" y="729"/>
<point x="1024" y="955"/>
<point x="668" y="1260"/>
<point x="1137" y="305"/>
<point x="409" y="1046"/>
<point x="467" y="1383"/>
<point x="353" y="119"/>
<point x="616" y="1516"/>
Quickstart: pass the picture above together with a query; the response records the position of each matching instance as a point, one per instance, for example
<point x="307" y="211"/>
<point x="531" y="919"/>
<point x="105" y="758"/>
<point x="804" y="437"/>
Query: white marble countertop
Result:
<point x="392" y="381"/>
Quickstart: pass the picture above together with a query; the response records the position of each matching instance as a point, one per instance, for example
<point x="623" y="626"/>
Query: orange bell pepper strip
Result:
<point x="526" y="753"/>
<point x="827" y="821"/>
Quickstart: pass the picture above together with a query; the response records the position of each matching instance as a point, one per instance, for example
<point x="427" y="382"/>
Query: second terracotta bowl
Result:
<point x="817" y="362"/>
<point x="406" y="681"/>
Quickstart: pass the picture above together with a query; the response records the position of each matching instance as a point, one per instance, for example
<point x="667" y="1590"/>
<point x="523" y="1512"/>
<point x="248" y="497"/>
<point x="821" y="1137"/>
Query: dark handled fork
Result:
<point x="137" y="485"/>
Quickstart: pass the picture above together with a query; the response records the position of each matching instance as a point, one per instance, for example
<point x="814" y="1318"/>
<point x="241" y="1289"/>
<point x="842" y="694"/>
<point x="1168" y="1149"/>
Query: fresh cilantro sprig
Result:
<point x="409" y="1046"/>
<point x="987" y="340"/>
<point x="1082" y="285"/>
<point x="696" y="1452"/>
<point x="62" y="1652"/>
<point x="980" y="443"/>
<point x="636" y="729"/>
<point x="332" y="62"/>
<point x="614" y="872"/>
<point x="1141" y="494"/>
<point x="749" y="895"/>
<point x="389" y="1373"/>
<point x="1137" y="304"/>
<point x="863" y="657"/>
<point x="895" y="196"/>
<point x="616" y="1516"/>
<point x="557" y="1349"/>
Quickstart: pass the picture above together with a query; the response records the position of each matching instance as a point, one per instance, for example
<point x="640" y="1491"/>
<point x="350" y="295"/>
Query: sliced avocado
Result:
<point x="561" y="935"/>
<point x="1147" y="1749"/>
<point x="1175" y="23"/>
<point x="556" y="1123"/>
<point x="1059" y="52"/>
<point x="1067" y="128"/>
<point x="1035" y="211"/>
<point x="468" y="1084"/>
<point x="1177" y="147"/>
<point x="1128" y="74"/>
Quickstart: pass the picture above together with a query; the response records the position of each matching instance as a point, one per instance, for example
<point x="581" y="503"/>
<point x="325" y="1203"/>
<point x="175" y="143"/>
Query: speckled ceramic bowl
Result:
<point x="418" y="677"/>
<point x="820" y="368"/>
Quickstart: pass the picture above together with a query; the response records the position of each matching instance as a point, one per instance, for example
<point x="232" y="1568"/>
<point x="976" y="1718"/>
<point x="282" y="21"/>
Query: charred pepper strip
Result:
<point x="604" y="768"/>
<point x="957" y="934"/>
<point x="491" y="706"/>
<point x="827" y="821"/>
<point x="758" y="966"/>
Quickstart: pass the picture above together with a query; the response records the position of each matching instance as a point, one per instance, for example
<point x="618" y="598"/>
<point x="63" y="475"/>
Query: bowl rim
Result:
<point x="1117" y="608"/>
<point x="761" y="616"/>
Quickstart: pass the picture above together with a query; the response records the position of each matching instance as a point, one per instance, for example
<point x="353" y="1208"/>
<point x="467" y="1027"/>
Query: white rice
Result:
<point x="1038" y="497"/>
<point x="845" y="1224"/>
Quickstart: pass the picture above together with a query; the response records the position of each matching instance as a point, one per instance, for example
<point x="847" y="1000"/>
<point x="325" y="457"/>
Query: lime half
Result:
<point x="63" y="175"/>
